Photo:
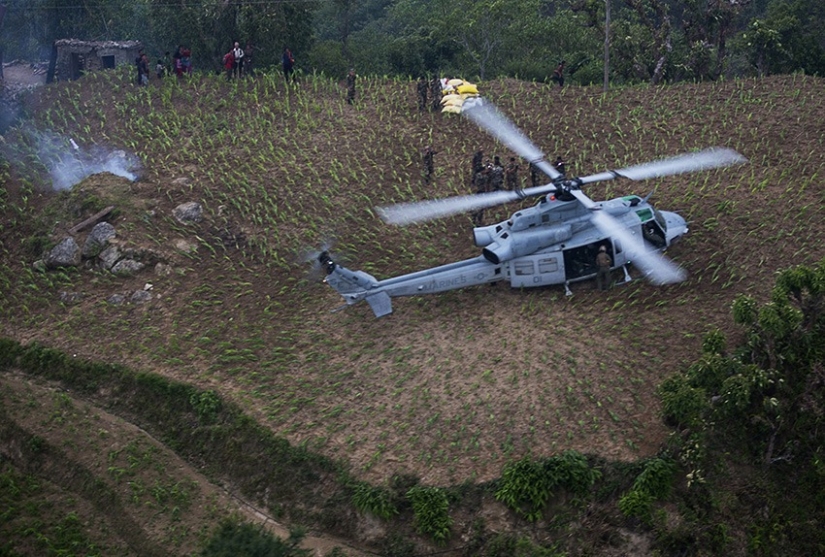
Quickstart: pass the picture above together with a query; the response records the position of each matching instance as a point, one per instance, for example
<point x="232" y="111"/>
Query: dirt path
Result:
<point x="93" y="440"/>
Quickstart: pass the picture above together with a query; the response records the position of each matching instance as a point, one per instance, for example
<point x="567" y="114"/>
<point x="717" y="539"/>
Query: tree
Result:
<point x="769" y="393"/>
<point x="708" y="24"/>
<point x="763" y="46"/>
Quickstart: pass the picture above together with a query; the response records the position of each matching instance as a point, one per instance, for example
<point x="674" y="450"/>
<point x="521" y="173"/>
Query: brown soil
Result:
<point x="449" y="387"/>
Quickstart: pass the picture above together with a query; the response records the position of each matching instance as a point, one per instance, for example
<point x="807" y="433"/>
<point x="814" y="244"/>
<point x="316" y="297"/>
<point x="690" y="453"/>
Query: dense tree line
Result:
<point x="650" y="40"/>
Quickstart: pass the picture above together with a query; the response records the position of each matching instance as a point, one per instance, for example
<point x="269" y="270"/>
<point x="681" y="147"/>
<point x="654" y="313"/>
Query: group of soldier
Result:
<point x="429" y="93"/>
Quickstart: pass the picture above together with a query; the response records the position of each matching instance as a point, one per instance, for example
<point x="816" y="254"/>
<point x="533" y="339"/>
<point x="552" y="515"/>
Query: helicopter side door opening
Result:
<point x="580" y="261"/>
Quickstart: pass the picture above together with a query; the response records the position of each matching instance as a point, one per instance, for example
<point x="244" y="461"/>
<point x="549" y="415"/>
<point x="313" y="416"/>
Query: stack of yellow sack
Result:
<point x="456" y="92"/>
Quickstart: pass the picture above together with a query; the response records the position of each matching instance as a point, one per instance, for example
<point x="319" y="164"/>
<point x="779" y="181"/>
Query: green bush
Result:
<point x="682" y="404"/>
<point x="637" y="504"/>
<point x="525" y="487"/>
<point x="431" y="510"/>
<point x="714" y="342"/>
<point x="374" y="500"/>
<point x="10" y="352"/>
<point x="207" y="404"/>
<point x="234" y="539"/>
<point x="571" y="471"/>
<point x="653" y="484"/>
<point x="657" y="478"/>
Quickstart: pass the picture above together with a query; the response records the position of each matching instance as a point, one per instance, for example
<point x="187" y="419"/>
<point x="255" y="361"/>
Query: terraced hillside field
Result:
<point x="449" y="387"/>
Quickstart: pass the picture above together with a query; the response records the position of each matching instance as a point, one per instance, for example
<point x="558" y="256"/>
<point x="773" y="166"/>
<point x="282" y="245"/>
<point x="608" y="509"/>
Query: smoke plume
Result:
<point x="69" y="164"/>
<point x="66" y="162"/>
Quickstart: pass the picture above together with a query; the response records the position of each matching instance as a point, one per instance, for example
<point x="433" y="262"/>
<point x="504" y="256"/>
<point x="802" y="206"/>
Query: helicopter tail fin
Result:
<point x="355" y="286"/>
<point x="380" y="303"/>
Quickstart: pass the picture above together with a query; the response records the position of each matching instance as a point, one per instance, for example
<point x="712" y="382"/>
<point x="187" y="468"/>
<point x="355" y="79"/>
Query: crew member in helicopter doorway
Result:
<point x="603" y="264"/>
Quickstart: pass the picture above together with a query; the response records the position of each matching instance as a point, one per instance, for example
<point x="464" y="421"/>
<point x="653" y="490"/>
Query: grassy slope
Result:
<point x="449" y="387"/>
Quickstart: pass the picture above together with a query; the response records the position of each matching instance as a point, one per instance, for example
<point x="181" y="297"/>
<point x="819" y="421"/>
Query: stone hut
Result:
<point x="72" y="57"/>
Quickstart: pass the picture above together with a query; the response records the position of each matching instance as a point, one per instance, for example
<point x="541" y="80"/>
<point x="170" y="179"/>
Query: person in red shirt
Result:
<point x="229" y="64"/>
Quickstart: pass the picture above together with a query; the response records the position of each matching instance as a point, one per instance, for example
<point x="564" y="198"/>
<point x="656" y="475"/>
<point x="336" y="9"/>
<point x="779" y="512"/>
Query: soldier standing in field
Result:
<point x="603" y="264"/>
<point x="429" y="164"/>
<point x="478" y="158"/>
<point x="534" y="175"/>
<point x="481" y="183"/>
<point x="435" y="93"/>
<point x="421" y="89"/>
<point x="560" y="165"/>
<point x="497" y="174"/>
<point x="511" y="175"/>
<point x="351" y="86"/>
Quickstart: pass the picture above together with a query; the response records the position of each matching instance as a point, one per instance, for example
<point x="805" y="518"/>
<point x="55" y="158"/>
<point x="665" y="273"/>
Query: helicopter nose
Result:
<point x="676" y="226"/>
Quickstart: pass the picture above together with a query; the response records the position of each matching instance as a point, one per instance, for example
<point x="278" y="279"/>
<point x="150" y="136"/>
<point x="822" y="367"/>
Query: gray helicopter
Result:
<point x="555" y="242"/>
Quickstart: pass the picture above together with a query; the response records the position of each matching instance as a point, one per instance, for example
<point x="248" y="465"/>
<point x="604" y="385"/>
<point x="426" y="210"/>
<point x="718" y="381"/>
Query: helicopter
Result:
<point x="554" y="242"/>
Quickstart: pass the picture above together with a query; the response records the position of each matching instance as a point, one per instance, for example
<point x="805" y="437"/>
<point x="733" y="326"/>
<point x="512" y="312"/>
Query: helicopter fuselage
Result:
<point x="553" y="242"/>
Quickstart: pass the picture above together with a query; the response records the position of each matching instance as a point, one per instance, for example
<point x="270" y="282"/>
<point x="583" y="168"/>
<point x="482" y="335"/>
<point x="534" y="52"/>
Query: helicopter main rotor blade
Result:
<point x="715" y="157"/>
<point x="656" y="268"/>
<point x="486" y="116"/>
<point x="419" y="211"/>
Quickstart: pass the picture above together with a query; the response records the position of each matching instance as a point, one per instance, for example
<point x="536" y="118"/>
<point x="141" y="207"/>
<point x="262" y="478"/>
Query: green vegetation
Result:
<point x="527" y="485"/>
<point x="48" y="535"/>
<point x="650" y="40"/>
<point x="236" y="364"/>
<point x="431" y="509"/>
<point x="375" y="500"/>
<point x="233" y="539"/>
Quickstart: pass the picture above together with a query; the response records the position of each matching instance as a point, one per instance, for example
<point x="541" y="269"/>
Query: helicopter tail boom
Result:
<point x="355" y="286"/>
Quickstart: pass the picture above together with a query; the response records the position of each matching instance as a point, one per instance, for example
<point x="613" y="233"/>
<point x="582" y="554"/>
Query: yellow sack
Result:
<point x="455" y="82"/>
<point x="452" y="109"/>
<point x="449" y="99"/>
<point x="468" y="89"/>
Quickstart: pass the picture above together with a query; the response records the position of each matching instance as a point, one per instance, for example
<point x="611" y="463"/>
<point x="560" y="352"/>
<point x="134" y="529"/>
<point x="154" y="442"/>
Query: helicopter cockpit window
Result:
<point x="505" y="236"/>
<point x="498" y="228"/>
<point x="524" y="268"/>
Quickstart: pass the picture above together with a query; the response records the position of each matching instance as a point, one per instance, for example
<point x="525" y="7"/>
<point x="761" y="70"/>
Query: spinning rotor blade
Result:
<point x="715" y="157"/>
<point x="420" y="211"/>
<point x="486" y="116"/>
<point x="657" y="268"/>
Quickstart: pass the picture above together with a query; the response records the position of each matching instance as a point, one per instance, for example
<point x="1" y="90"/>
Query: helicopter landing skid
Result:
<point x="626" y="274"/>
<point x="567" y="291"/>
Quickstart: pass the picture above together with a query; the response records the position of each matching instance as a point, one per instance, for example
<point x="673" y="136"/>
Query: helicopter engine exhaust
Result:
<point x="509" y="244"/>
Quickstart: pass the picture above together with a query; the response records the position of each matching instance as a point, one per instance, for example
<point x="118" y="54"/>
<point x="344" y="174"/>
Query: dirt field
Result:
<point x="449" y="387"/>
